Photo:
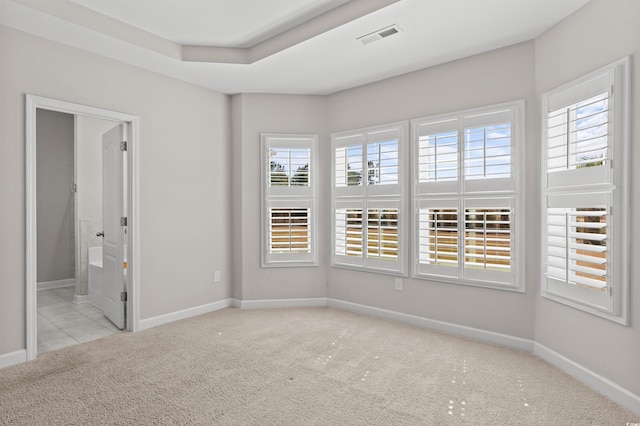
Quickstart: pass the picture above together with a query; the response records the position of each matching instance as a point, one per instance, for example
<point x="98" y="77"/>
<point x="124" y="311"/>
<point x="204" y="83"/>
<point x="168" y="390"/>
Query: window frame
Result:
<point x="294" y="197"/>
<point x="367" y="196"/>
<point x="461" y="193"/>
<point x="609" y="181"/>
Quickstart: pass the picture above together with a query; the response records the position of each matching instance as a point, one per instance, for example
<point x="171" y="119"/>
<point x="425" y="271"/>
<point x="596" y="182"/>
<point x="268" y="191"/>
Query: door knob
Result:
<point x="100" y="234"/>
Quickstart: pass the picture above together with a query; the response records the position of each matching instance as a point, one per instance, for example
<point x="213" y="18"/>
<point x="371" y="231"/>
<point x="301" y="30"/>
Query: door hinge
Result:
<point x="123" y="296"/>
<point x="123" y="221"/>
<point x="123" y="146"/>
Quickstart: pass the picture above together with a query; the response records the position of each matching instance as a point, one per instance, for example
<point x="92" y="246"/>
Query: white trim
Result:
<point x="483" y="190"/>
<point x="13" y="358"/>
<point x="289" y="196"/>
<point x="80" y="298"/>
<point x="441" y="326"/>
<point x="45" y="285"/>
<point x="601" y="384"/>
<point x="133" y="207"/>
<point x="32" y="104"/>
<point x="31" y="246"/>
<point x="283" y="303"/>
<point x="184" y="314"/>
<point x="365" y="197"/>
<point x="614" y="179"/>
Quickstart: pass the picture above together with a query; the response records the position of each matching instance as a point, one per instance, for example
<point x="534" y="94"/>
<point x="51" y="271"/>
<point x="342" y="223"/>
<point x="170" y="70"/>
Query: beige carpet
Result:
<point x="316" y="366"/>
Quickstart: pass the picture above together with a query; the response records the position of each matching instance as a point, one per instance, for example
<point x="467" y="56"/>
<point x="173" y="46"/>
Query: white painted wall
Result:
<point x="184" y="173"/>
<point x="254" y="114"/>
<point x="596" y="35"/>
<point x="494" y="77"/>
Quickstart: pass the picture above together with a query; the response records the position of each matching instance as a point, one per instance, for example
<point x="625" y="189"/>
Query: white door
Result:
<point x="112" y="211"/>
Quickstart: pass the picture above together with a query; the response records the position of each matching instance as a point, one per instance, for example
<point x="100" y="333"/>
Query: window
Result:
<point x="467" y="196"/>
<point x="585" y="192"/>
<point x="289" y="181"/>
<point x="369" y="217"/>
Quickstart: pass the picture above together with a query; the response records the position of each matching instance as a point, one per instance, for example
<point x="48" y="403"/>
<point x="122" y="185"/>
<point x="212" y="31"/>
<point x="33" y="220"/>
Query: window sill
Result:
<point x="370" y="270"/>
<point x="471" y="283"/>
<point x="618" y="319"/>
<point x="290" y="265"/>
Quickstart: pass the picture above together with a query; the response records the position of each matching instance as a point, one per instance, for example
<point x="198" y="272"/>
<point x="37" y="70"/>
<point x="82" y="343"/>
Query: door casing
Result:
<point x="34" y="102"/>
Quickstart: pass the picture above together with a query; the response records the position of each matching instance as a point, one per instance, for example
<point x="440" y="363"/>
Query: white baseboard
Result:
<point x="601" y="384"/>
<point x="13" y="358"/>
<point x="46" y="285"/>
<point x="80" y="298"/>
<point x="185" y="313"/>
<point x="444" y="327"/>
<point x="281" y="303"/>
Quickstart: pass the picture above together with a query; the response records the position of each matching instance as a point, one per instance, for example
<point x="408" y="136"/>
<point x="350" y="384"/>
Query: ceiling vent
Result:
<point x="379" y="34"/>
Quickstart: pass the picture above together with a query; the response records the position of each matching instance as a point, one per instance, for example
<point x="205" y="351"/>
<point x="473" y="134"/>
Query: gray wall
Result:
<point x="55" y="203"/>
<point x="184" y="173"/>
<point x="254" y="114"/>
<point x="596" y="35"/>
<point x="498" y="76"/>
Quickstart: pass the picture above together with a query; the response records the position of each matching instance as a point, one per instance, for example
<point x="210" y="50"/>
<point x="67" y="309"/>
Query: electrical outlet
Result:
<point x="216" y="276"/>
<point x="398" y="284"/>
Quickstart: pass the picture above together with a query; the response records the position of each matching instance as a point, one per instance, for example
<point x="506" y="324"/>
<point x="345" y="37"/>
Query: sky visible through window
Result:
<point x="578" y="134"/>
<point x="289" y="166"/>
<point x="381" y="166"/>
<point x="487" y="154"/>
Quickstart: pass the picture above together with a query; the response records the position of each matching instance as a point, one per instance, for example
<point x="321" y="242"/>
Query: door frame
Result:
<point x="34" y="102"/>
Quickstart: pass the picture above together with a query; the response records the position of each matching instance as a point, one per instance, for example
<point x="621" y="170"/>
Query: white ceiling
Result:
<point x="432" y="32"/>
<point x="228" y="23"/>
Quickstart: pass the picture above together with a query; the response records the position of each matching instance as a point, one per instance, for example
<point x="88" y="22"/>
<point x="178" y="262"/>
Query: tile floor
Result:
<point x="63" y="323"/>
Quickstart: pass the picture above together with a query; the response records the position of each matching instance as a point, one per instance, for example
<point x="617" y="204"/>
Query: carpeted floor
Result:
<point x="315" y="366"/>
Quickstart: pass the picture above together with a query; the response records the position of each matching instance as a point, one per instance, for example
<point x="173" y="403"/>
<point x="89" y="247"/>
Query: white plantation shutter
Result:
<point x="577" y="247"/>
<point x="349" y="163"/>
<point x="368" y="234"/>
<point x="367" y="162"/>
<point x="488" y="239"/>
<point x="290" y="230"/>
<point x="438" y="242"/>
<point x="382" y="163"/>
<point x="577" y="135"/>
<point x="383" y="235"/>
<point x="577" y="142"/>
<point x="288" y="170"/>
<point x="437" y="156"/>
<point x="349" y="233"/>
<point x="465" y="152"/>
<point x="368" y="186"/>
<point x="585" y="188"/>
<point x="489" y="151"/>
<point x="466" y="177"/>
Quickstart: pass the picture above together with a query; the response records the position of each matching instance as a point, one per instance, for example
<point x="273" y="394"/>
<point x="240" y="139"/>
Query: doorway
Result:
<point x="126" y="132"/>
